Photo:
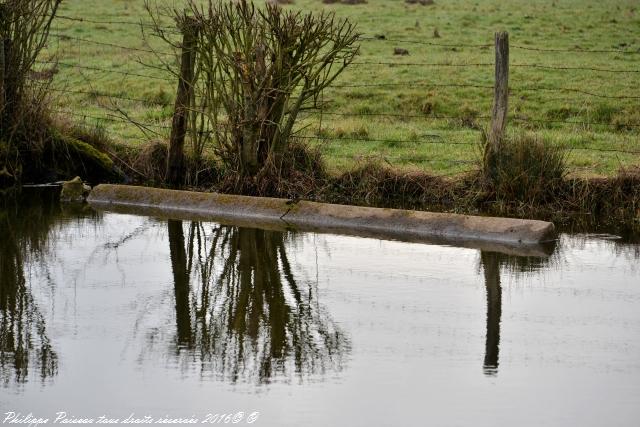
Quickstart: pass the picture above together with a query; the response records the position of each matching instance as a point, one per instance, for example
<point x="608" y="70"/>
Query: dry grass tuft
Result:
<point x="302" y="174"/>
<point x="151" y="161"/>
<point x="375" y="184"/>
<point x="524" y="170"/>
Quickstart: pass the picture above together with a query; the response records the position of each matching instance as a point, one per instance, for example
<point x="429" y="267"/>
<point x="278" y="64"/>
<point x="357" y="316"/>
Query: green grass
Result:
<point x="410" y="138"/>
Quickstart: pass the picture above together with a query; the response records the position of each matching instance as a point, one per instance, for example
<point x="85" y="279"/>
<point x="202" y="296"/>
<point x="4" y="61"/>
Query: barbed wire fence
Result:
<point x="118" y="115"/>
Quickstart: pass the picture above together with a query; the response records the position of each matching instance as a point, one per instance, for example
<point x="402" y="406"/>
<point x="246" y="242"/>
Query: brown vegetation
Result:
<point x="33" y="144"/>
<point x="526" y="169"/>
<point x="544" y="194"/>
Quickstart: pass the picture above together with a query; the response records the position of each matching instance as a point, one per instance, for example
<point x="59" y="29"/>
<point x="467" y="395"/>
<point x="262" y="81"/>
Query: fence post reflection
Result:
<point x="491" y="266"/>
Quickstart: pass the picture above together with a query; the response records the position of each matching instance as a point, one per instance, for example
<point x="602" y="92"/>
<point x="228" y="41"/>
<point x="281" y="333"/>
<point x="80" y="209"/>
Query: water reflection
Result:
<point x="492" y="264"/>
<point x="181" y="275"/>
<point x="491" y="267"/>
<point x="242" y="311"/>
<point x="25" y="225"/>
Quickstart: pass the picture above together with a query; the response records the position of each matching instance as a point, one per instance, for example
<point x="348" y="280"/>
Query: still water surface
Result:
<point x="109" y="314"/>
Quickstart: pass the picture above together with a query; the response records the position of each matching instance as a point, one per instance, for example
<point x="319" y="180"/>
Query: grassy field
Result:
<point x="397" y="119"/>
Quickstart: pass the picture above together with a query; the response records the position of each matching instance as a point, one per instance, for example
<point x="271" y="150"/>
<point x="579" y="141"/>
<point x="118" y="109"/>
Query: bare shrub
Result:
<point x="256" y="70"/>
<point x="24" y="29"/>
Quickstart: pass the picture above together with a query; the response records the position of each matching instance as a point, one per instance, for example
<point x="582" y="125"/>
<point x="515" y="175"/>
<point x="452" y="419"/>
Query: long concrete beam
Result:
<point x="515" y="236"/>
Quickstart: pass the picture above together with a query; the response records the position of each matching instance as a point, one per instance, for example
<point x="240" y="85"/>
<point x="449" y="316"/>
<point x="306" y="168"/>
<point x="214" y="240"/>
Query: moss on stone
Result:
<point x="72" y="191"/>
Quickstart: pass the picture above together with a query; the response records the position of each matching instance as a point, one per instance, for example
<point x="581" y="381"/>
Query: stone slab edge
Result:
<point x="396" y="224"/>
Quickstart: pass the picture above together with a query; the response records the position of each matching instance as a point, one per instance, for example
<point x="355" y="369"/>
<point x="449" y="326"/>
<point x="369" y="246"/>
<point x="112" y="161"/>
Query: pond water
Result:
<point x="104" y="314"/>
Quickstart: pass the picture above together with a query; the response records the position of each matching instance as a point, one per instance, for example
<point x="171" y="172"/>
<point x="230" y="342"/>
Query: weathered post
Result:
<point x="501" y="91"/>
<point x="175" y="160"/>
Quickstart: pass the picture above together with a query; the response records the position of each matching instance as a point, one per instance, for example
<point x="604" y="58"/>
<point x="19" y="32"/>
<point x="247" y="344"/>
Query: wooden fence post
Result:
<point x="501" y="91"/>
<point x="176" y="161"/>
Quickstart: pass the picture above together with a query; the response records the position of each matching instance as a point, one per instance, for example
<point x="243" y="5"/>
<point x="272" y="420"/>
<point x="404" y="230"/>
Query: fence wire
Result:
<point x="423" y="139"/>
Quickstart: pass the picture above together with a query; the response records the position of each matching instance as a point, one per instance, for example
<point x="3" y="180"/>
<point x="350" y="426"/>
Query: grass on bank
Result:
<point x="396" y="123"/>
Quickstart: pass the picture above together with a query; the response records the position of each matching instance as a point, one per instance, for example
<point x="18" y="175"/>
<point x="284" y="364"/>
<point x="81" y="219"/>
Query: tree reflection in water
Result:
<point x="241" y="311"/>
<point x="25" y="225"/>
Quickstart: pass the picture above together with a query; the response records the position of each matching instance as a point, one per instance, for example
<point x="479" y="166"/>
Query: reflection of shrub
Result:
<point x="243" y="312"/>
<point x="26" y="223"/>
<point x="524" y="169"/>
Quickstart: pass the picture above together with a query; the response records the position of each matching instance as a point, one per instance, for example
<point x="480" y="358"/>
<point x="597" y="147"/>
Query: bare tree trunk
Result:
<point x="255" y="112"/>
<point x="249" y="149"/>
<point x="175" y="160"/>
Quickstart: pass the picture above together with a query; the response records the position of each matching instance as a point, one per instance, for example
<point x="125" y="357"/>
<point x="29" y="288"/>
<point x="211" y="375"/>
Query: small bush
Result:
<point x="525" y="169"/>
<point x="257" y="69"/>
